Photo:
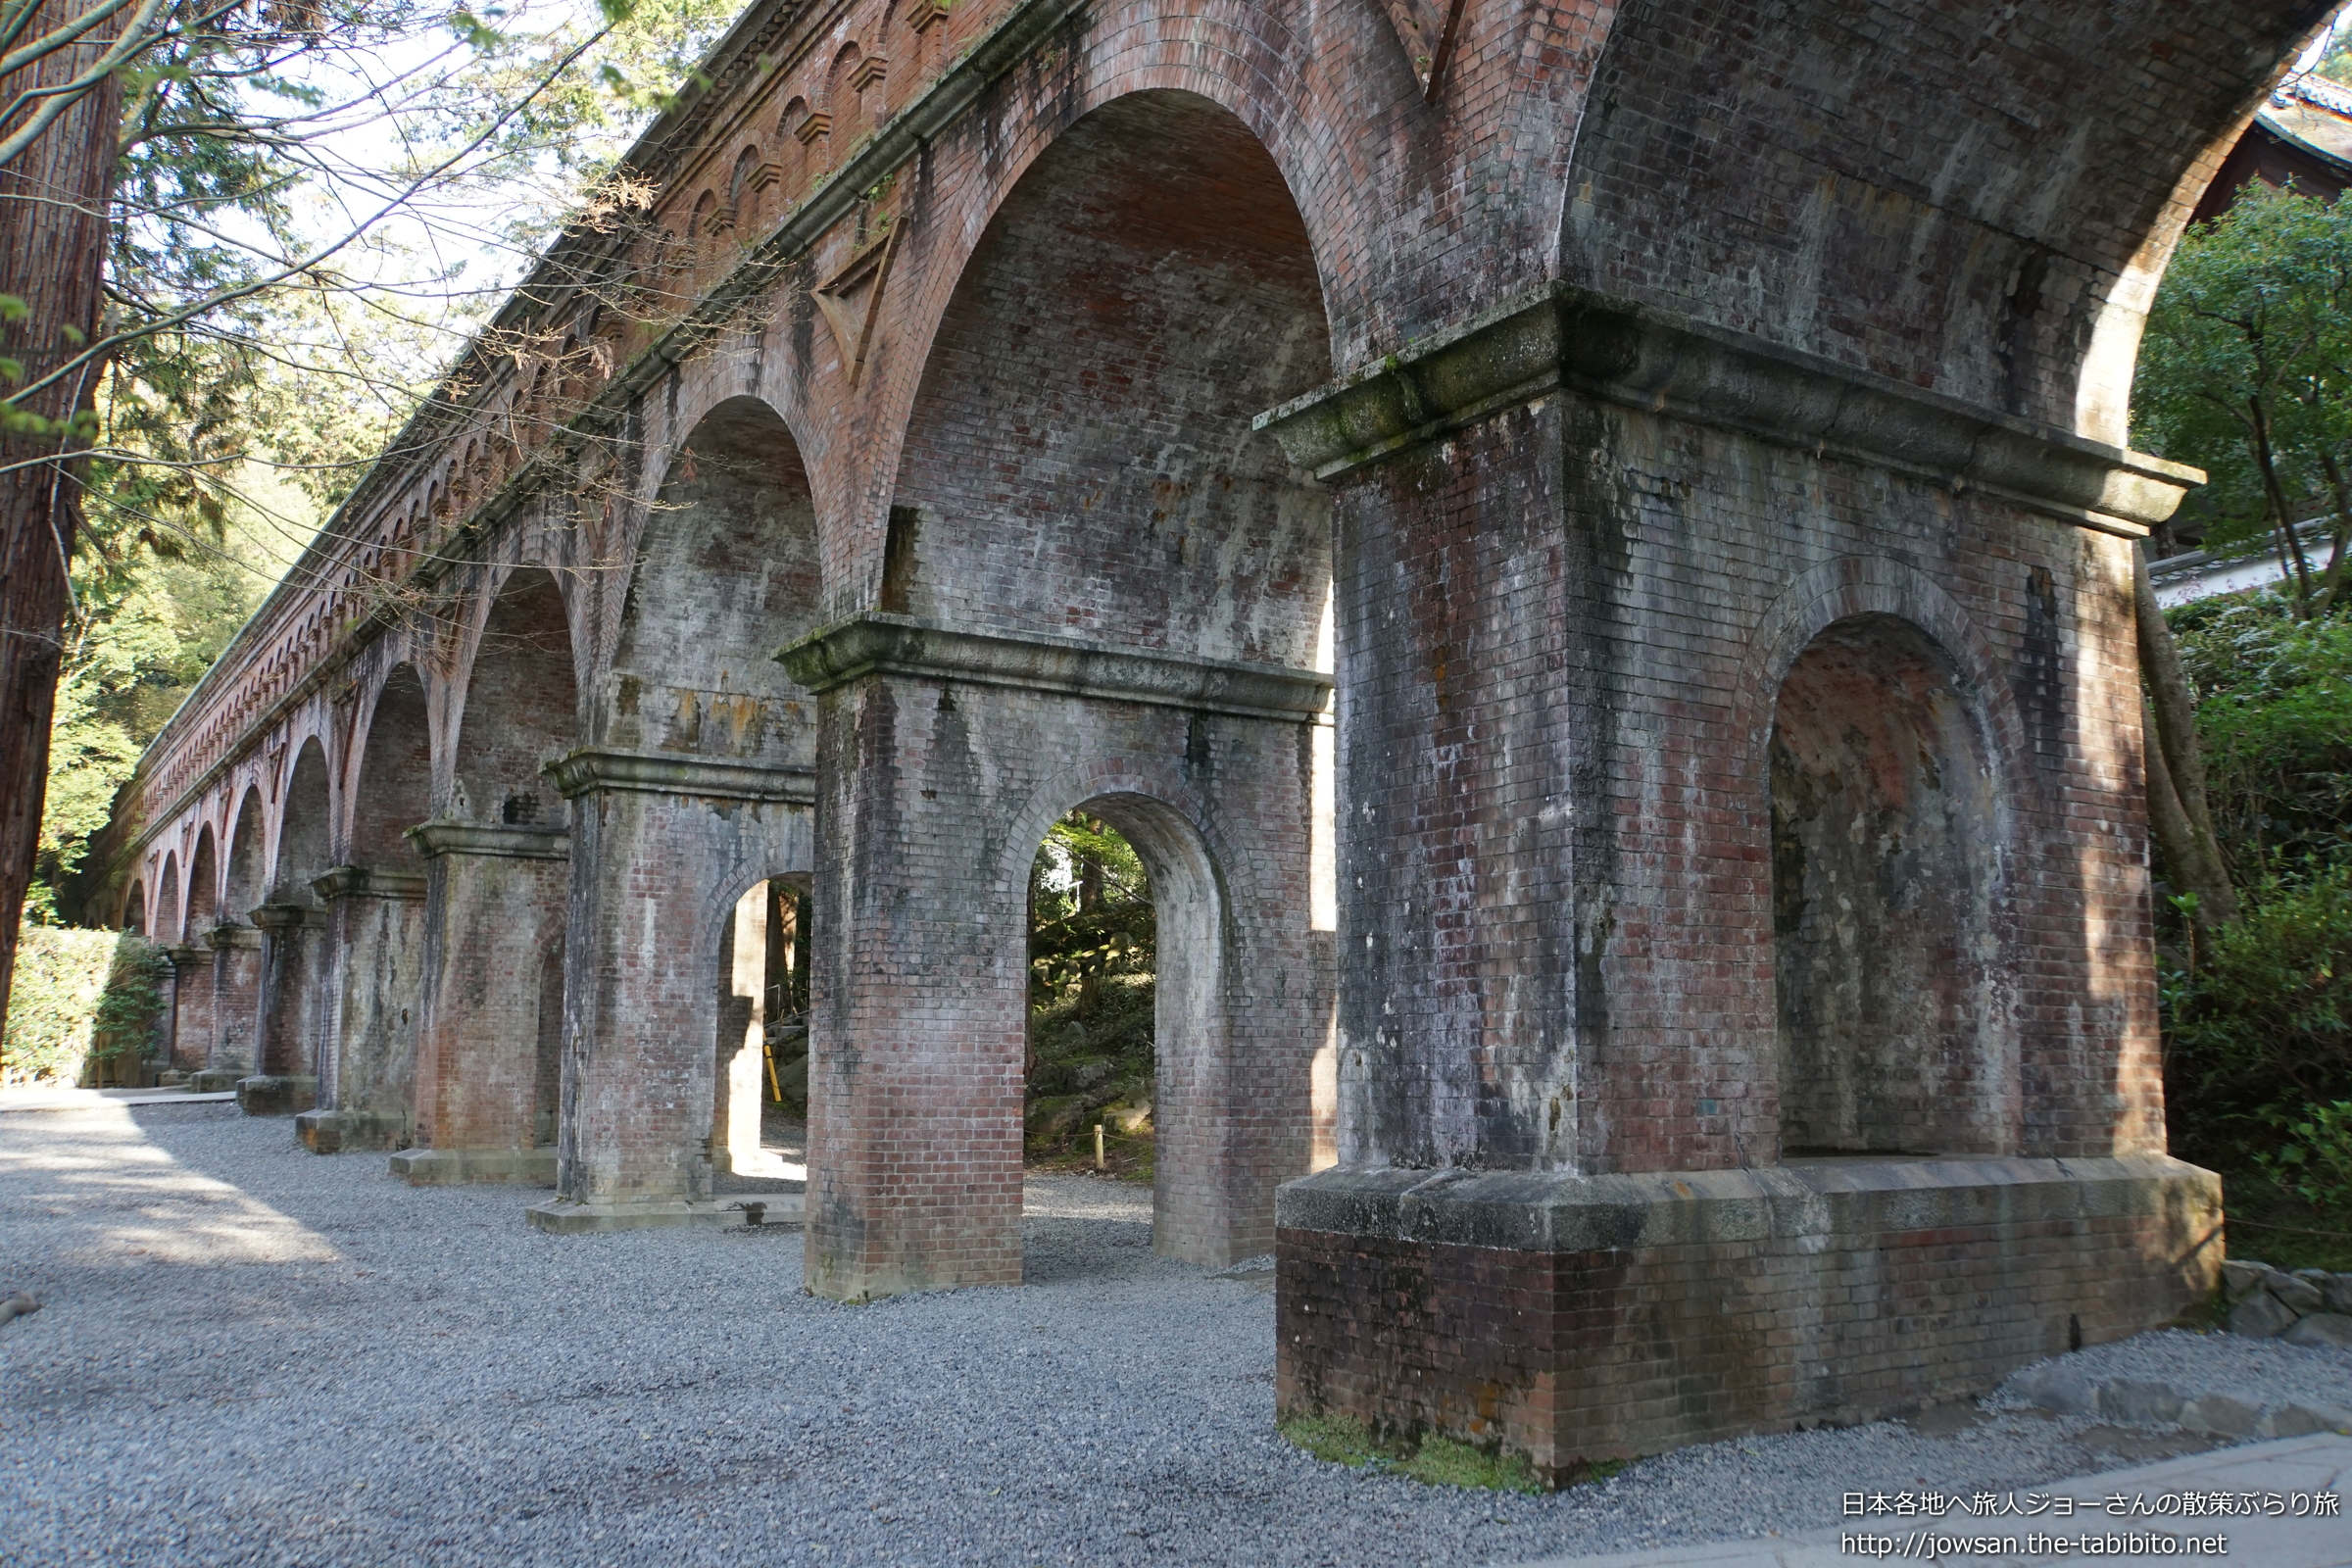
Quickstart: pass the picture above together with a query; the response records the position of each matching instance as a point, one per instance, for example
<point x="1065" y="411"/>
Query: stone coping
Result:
<point x="873" y="642"/>
<point x="369" y="882"/>
<point x="228" y="934"/>
<point x="444" y="837"/>
<point x="1553" y="1212"/>
<point x="609" y="770"/>
<point x="1563" y="338"/>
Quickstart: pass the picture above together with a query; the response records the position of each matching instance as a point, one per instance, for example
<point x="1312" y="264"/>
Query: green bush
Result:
<point x="2315" y="1163"/>
<point x="2261" y="1018"/>
<point x="79" y="997"/>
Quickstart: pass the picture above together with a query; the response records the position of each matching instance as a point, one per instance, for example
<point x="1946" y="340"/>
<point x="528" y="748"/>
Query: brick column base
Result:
<point x="1574" y="1319"/>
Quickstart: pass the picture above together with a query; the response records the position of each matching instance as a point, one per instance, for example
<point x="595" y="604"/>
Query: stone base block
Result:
<point x="347" y="1132"/>
<point x="215" y="1080"/>
<point x="275" y="1097"/>
<point x="456" y="1167"/>
<point x="578" y="1220"/>
<point x="1578" y="1319"/>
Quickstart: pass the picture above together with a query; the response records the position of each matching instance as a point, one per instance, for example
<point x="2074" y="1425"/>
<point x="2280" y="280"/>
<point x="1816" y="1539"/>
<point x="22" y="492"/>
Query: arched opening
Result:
<point x="1128" y="1014"/>
<point x="204" y="888"/>
<point x="1093" y="942"/>
<point x="1080" y="460"/>
<point x="1885" y="860"/>
<point x="294" y="998"/>
<point x="304" y="829"/>
<point x="376" y="921"/>
<point x="522" y="708"/>
<point x="134" y="910"/>
<point x="244" y="885"/>
<point x="490" y="1051"/>
<point x="194" y="1019"/>
<point x="237" y="944"/>
<point x="726" y="570"/>
<point x="1080" y="464"/>
<point x="393" y="791"/>
<point x="166" y="903"/>
<point x="760" y="1114"/>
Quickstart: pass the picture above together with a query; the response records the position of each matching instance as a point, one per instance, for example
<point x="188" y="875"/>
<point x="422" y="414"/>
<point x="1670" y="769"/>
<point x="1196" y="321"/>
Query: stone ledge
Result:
<point x="274" y="1094"/>
<point x="613" y="771"/>
<point x="347" y="1132"/>
<point x="369" y="882"/>
<point x="564" y="1218"/>
<point x="459" y="1168"/>
<point x="1574" y="1319"/>
<point x="1547" y="1212"/>
<point x="442" y="837"/>
<point x="901" y="645"/>
<point x="1561" y="338"/>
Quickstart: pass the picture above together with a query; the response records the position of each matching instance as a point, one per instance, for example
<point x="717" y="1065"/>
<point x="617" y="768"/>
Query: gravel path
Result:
<point x="251" y="1354"/>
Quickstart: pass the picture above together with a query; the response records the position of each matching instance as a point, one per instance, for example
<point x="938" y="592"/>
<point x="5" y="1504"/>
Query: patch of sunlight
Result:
<point x="93" y="1169"/>
<point x="771" y="1166"/>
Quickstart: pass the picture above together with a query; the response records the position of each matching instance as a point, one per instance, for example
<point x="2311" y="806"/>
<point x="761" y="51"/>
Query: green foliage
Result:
<point x="2275" y="718"/>
<point x="79" y="997"/>
<point x="2243" y="372"/>
<point x="2315" y="1163"/>
<point x="1434" y="1461"/>
<point x="146" y="632"/>
<point x="2259" y="1016"/>
<point x="1091" y="997"/>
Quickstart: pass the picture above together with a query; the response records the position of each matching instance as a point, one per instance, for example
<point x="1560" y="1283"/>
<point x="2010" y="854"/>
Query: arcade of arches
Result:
<point x="1598" y="591"/>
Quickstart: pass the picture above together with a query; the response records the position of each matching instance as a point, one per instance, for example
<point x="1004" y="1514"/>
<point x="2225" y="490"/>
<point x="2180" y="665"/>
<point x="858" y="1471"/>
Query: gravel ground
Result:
<point x="251" y="1354"/>
<point x="2262" y="1372"/>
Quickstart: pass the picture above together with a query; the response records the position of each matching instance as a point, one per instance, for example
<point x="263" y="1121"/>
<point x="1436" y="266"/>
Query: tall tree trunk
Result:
<point x="2177" y="813"/>
<point x="52" y="250"/>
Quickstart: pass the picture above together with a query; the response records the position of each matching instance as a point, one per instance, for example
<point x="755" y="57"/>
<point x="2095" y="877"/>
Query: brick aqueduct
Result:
<point x="1694" y="976"/>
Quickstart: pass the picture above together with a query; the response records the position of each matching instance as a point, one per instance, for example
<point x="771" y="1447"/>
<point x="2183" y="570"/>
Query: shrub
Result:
<point x="2316" y="1162"/>
<point x="2262" y="1018"/>
<point x="79" y="997"/>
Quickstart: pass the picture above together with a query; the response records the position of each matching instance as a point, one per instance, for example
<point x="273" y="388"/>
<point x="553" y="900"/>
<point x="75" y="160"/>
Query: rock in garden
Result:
<point x="2322" y="1327"/>
<point x="2298" y="1296"/>
<point x="2260" y="1317"/>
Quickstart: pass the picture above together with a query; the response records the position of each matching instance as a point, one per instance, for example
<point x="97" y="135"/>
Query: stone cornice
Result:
<point x="608" y="769"/>
<point x="369" y="882"/>
<point x="901" y="645"/>
<point x="440" y="837"/>
<point x="1564" y="339"/>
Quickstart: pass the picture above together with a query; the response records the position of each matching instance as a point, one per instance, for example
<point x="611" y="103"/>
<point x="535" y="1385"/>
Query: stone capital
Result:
<point x="491" y="839"/>
<point x="187" y="955"/>
<point x="279" y="916"/>
<point x="369" y="882"/>
<point x="873" y="643"/>
<point x="228" y="934"/>
<point x="1563" y="339"/>
<point x="609" y="769"/>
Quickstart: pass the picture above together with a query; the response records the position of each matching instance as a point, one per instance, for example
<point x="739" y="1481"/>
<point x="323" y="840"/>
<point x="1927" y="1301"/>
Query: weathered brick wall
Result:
<point x="1948" y="194"/>
<point x="659" y="873"/>
<point x="929" y="827"/>
<point x="1080" y="460"/>
<point x="1557" y="947"/>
